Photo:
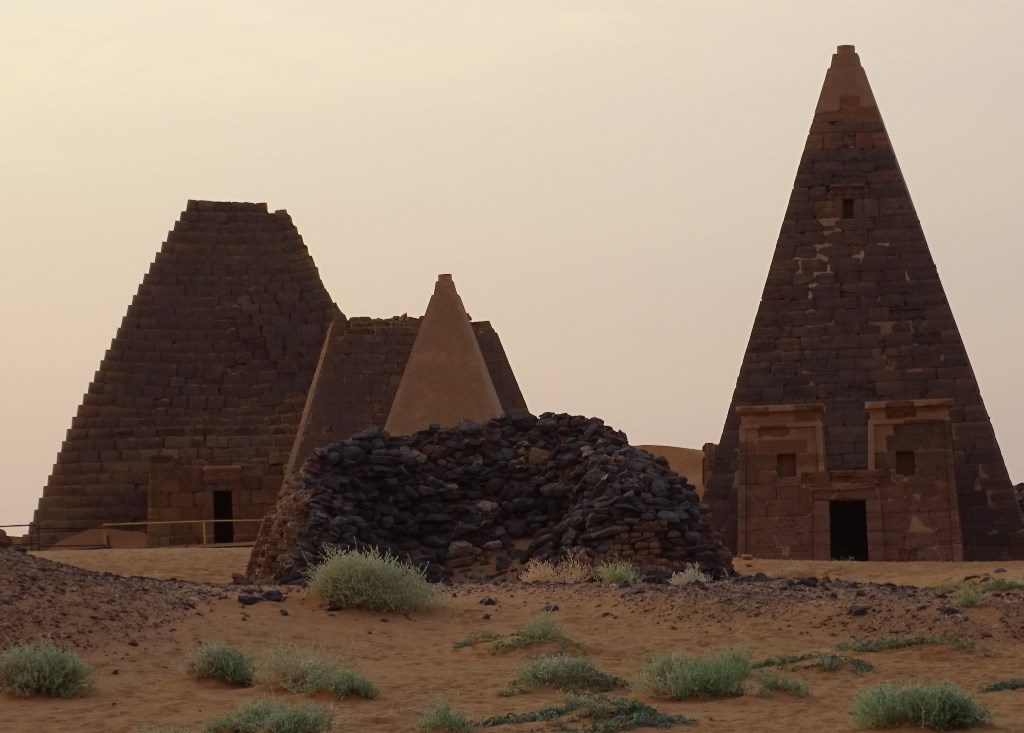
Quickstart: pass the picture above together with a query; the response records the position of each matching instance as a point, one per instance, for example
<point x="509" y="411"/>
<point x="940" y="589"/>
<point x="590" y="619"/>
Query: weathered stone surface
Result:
<point x="465" y="507"/>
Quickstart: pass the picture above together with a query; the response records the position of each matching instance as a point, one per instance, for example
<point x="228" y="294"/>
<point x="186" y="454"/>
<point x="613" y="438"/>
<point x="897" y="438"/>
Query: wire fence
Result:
<point x="35" y="536"/>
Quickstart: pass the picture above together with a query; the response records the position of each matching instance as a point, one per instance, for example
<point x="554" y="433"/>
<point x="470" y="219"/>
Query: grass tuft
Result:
<point x="618" y="571"/>
<point x="1014" y="683"/>
<point x="45" y="669"/>
<point x="826" y="661"/>
<point x="307" y="671"/>
<point x="938" y="707"/>
<point x="886" y="643"/>
<point x="273" y="716"/>
<point x="573" y="569"/>
<point x="369" y="579"/>
<point x="609" y="715"/>
<point x="218" y="661"/>
<point x="441" y="716"/>
<point x="769" y="682"/>
<point x="543" y="628"/>
<point x="677" y="676"/>
<point x="1000" y="585"/>
<point x="689" y="575"/>
<point x="969" y="595"/>
<point x="573" y="674"/>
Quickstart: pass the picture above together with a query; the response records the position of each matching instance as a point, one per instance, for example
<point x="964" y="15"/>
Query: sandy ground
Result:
<point x="412" y="659"/>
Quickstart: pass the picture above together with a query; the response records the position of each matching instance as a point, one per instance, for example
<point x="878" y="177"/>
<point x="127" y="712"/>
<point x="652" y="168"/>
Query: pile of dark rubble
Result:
<point x="480" y="500"/>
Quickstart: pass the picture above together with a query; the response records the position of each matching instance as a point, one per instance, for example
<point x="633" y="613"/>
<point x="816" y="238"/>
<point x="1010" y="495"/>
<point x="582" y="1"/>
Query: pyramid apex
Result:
<point x="845" y="80"/>
<point x="446" y="378"/>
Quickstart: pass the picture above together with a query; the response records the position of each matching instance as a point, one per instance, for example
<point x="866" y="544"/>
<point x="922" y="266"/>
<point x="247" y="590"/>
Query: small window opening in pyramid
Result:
<point x="847" y="208"/>
<point x="785" y="465"/>
<point x="906" y="463"/>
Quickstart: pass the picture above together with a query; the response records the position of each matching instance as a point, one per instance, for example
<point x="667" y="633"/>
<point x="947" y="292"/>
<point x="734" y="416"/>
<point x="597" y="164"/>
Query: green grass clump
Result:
<point x="44" y="668"/>
<point x="826" y="661"/>
<point x="618" y="571"/>
<point x="163" y="730"/>
<point x="308" y="671"/>
<point x="1015" y="683"/>
<point x="769" y="682"/>
<point x="543" y="628"/>
<point x="573" y="674"/>
<point x="999" y="585"/>
<point x="678" y="676"/>
<point x="273" y="716"/>
<point x="609" y="715"/>
<point x="904" y="642"/>
<point x="369" y="579"/>
<point x="218" y="661"/>
<point x="969" y="595"/>
<point x="937" y="707"/>
<point x="441" y="716"/>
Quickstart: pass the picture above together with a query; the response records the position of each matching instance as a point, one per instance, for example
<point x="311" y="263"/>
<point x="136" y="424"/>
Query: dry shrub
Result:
<point x="574" y="568"/>
<point x="688" y="575"/>
<point x="44" y="669"/>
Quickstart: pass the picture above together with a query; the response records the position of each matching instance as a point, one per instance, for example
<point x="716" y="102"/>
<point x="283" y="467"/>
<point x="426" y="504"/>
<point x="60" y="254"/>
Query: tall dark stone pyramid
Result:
<point x="857" y="427"/>
<point x="210" y="367"/>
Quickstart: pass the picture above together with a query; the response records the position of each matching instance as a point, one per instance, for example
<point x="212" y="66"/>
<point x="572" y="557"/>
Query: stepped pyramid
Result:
<point x="857" y="427"/>
<point x="208" y="371"/>
<point x="364" y="366"/>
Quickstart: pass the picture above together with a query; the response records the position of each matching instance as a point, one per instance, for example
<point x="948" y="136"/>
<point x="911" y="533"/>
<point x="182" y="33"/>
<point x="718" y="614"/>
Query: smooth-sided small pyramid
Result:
<point x="446" y="379"/>
<point x="857" y="427"/>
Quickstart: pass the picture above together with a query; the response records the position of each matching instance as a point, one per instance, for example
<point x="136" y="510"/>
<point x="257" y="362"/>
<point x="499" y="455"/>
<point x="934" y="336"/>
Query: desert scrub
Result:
<point x="545" y="627"/>
<point x="769" y="682"/>
<point x="273" y="716"/>
<point x="608" y="715"/>
<point x="573" y="674"/>
<point x="1014" y="683"/>
<point x="969" y="595"/>
<point x="826" y="661"/>
<point x="688" y="575"/>
<point x="574" y="568"/>
<point x="938" y="707"/>
<point x="308" y="671"/>
<point x="618" y="571"/>
<point x="679" y="676"/>
<point x="218" y="661"/>
<point x="43" y="668"/>
<point x="369" y="579"/>
<point x="886" y="643"/>
<point x="443" y="717"/>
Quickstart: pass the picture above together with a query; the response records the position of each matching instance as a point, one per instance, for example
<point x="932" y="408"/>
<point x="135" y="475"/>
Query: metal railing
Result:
<point x="202" y="522"/>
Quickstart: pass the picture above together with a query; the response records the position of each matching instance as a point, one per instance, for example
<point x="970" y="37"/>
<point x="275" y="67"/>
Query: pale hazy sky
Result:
<point x="605" y="180"/>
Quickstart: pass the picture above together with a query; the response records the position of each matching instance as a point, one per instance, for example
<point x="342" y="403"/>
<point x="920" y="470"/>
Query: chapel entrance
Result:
<point x="223" y="531"/>
<point x="848" y="530"/>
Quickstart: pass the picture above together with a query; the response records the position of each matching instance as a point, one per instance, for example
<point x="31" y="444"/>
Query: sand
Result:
<point x="412" y="659"/>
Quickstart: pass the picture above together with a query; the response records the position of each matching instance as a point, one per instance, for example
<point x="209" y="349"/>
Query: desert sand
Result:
<point x="135" y="631"/>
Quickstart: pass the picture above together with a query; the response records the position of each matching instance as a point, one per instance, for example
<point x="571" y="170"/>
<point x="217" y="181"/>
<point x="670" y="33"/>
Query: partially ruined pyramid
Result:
<point x="210" y="368"/>
<point x="857" y="427"/>
<point x="362" y="364"/>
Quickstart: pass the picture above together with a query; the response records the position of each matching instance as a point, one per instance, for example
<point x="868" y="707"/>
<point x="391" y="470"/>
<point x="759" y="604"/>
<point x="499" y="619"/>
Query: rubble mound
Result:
<point x="483" y="499"/>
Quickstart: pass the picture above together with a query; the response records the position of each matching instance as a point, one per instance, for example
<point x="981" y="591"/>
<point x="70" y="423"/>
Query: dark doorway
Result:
<point x="223" y="531"/>
<point x="848" y="530"/>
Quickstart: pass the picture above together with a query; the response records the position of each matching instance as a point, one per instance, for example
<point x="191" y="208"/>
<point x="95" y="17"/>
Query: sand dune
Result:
<point x="412" y="659"/>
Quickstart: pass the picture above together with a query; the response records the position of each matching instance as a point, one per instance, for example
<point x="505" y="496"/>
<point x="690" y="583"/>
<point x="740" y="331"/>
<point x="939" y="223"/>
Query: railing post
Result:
<point x="204" y="531"/>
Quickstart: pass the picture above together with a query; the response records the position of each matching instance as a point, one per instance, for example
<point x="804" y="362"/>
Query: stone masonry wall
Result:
<point x="482" y="499"/>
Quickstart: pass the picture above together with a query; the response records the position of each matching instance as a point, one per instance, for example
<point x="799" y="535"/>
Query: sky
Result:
<point x="605" y="180"/>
